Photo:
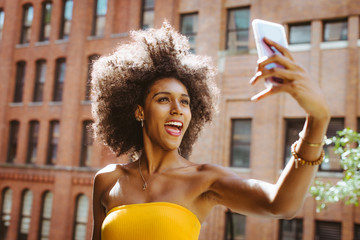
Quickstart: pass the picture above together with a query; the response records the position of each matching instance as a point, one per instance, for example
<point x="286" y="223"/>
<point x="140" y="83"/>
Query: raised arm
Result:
<point x="284" y="198"/>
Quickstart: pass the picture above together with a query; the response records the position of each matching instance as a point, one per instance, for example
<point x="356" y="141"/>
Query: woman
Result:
<point x="151" y="98"/>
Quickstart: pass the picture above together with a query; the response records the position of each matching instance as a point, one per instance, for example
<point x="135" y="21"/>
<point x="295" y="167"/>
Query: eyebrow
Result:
<point x="168" y="93"/>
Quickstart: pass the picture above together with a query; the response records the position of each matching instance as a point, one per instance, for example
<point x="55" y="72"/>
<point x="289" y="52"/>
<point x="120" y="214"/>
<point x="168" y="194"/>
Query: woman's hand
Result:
<point x="296" y="82"/>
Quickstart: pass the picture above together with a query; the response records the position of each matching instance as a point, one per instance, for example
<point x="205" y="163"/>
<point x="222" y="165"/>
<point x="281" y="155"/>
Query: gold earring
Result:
<point x="142" y="122"/>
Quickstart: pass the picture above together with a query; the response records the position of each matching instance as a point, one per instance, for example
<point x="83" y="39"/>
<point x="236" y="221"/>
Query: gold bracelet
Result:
<point x="305" y="162"/>
<point x="312" y="144"/>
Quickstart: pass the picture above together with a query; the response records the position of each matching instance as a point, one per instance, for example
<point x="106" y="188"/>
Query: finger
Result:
<point x="279" y="59"/>
<point x="265" y="93"/>
<point x="283" y="50"/>
<point x="285" y="74"/>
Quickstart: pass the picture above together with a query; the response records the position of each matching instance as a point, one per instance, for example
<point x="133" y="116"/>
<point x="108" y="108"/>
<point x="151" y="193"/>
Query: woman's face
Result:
<point x="167" y="113"/>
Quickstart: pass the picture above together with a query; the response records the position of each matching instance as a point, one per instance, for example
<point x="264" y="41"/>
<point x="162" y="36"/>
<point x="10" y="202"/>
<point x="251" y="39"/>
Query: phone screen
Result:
<point x="274" y="32"/>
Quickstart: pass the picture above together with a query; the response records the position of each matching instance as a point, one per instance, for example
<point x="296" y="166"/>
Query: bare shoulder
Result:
<point x="215" y="170"/>
<point x="108" y="175"/>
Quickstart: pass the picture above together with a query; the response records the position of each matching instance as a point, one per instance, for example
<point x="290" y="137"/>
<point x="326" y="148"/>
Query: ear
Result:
<point x="139" y="112"/>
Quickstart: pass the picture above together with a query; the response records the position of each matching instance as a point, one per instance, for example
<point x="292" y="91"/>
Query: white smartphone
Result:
<point x="274" y="32"/>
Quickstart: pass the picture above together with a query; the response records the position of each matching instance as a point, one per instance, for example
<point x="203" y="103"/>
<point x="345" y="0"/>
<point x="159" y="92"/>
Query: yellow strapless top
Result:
<point x="150" y="221"/>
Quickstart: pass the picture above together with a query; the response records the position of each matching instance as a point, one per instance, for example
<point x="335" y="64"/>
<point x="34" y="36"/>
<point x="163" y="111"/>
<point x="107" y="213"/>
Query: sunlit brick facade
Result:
<point x="47" y="161"/>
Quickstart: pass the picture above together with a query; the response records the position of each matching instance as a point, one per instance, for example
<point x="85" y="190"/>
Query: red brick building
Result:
<point x="48" y="159"/>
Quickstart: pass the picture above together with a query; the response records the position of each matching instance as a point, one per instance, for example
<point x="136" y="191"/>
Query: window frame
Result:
<point x="19" y="82"/>
<point x="13" y="141"/>
<point x="24" y="27"/>
<point x="42" y="217"/>
<point x="91" y="60"/>
<point x="50" y="148"/>
<point x="297" y="24"/>
<point x="298" y="234"/>
<point x="3" y="214"/>
<point x="59" y="80"/>
<point x="228" y="30"/>
<point x="33" y="139"/>
<point x="337" y="20"/>
<point x="333" y="223"/>
<point x="20" y="234"/>
<point x="85" y="160"/>
<point x="41" y="66"/>
<point x="145" y="9"/>
<point x="42" y="35"/>
<point x="232" y="142"/>
<point x="229" y="226"/>
<point x="2" y="22"/>
<point x="190" y="34"/>
<point x="96" y="16"/>
<point x="62" y="34"/>
<point x="77" y="222"/>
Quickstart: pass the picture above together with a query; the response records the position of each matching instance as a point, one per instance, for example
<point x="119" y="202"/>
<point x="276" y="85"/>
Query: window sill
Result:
<point x="22" y="45"/>
<point x="334" y="45"/>
<point x="55" y="103"/>
<point x="95" y="37"/>
<point x="20" y="104"/>
<point x="119" y="35"/>
<point x="35" y="104"/>
<point x="303" y="47"/>
<point x="240" y="170"/>
<point x="60" y="41"/>
<point x="42" y="43"/>
<point x="325" y="174"/>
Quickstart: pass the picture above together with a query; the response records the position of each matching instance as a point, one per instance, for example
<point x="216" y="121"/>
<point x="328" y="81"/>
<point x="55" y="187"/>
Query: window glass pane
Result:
<point x="2" y="19"/>
<point x="101" y="7"/>
<point x="189" y="28"/>
<point x="328" y="230"/>
<point x="46" y="216"/>
<point x="332" y="163"/>
<point x="46" y="19"/>
<point x="357" y="232"/>
<point x="53" y="142"/>
<point x="68" y="10"/>
<point x="59" y="80"/>
<point x="66" y="20"/>
<point x="26" y="212"/>
<point x="13" y="139"/>
<point x="81" y="218"/>
<point x="300" y="33"/>
<point x="240" y="143"/>
<point x="91" y="60"/>
<point x="291" y="229"/>
<point x="235" y="226"/>
<point x="148" y="19"/>
<point x="149" y="4"/>
<point x="33" y="141"/>
<point x="238" y="29"/>
<point x="100" y="25"/>
<point x="29" y="15"/>
<point x="293" y="127"/>
<point x="39" y="80"/>
<point x="335" y="31"/>
<point x="6" y="209"/>
<point x="19" y="81"/>
<point x="86" y="144"/>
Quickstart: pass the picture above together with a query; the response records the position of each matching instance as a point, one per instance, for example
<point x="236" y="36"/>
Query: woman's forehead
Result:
<point x="168" y="85"/>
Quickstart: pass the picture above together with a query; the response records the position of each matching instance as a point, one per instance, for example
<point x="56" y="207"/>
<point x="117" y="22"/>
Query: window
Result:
<point x="39" y="80"/>
<point x="99" y="18"/>
<point x="335" y="30"/>
<point x="54" y="133"/>
<point x="91" y="60"/>
<point x="33" y="141"/>
<point x="147" y="16"/>
<point x="45" y="21"/>
<point x="46" y="216"/>
<point x="5" y="212"/>
<point x="25" y="215"/>
<point x="333" y="163"/>
<point x="86" y="144"/>
<point x="357" y="232"/>
<point x="81" y="217"/>
<point x="299" y="33"/>
<point x="66" y="19"/>
<point x="2" y="20"/>
<point x="13" y="140"/>
<point x="59" y="79"/>
<point x="293" y="127"/>
<point x="291" y="229"/>
<point x="28" y="15"/>
<point x="189" y="27"/>
<point x="328" y="230"/>
<point x="238" y="29"/>
<point x="240" y="143"/>
<point x="19" y="81"/>
<point x="235" y="226"/>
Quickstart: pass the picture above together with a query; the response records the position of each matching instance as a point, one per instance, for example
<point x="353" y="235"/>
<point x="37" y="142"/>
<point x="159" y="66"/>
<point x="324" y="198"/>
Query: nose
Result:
<point x="176" y="109"/>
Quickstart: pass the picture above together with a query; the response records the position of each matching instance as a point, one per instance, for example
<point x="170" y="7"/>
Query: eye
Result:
<point x="185" y="102"/>
<point x="163" y="99"/>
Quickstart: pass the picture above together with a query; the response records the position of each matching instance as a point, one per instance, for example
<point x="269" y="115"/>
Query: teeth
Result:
<point x="177" y="124"/>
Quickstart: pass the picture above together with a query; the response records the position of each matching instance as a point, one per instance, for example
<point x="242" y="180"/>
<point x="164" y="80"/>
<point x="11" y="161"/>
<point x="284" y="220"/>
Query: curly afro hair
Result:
<point x="122" y="80"/>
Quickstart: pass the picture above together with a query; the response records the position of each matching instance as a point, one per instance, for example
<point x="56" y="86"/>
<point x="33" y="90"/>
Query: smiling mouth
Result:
<point x="174" y="128"/>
